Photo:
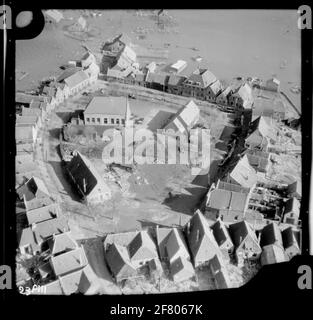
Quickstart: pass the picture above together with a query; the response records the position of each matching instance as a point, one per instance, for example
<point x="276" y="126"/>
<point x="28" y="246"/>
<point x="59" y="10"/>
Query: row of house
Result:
<point x="64" y="268"/>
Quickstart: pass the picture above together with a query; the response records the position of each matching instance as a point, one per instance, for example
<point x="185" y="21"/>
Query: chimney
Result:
<point x="84" y="185"/>
<point x="198" y="235"/>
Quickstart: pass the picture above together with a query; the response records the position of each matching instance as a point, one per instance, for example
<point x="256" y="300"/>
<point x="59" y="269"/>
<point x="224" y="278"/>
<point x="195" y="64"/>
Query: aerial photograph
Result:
<point x="157" y="151"/>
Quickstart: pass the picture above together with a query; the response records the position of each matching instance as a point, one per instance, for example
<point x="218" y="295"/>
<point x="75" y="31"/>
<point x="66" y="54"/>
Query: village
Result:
<point x="92" y="227"/>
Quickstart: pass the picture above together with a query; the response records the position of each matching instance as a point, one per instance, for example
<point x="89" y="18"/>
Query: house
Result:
<point x="273" y="84"/>
<point x="220" y="273"/>
<point x="241" y="99"/>
<point x="171" y="244"/>
<point x="222" y="98"/>
<point x="245" y="241"/>
<point x="272" y="254"/>
<point x="93" y="71"/>
<point x="181" y="269"/>
<point x="127" y="57"/>
<point x="174" y="84"/>
<point x="46" y="229"/>
<point x="271" y="108"/>
<point x="87" y="179"/>
<point x="77" y="81"/>
<point x="75" y="282"/>
<point x="45" y="271"/>
<point x="229" y="206"/>
<point x="157" y="81"/>
<point x="198" y="85"/>
<point x="42" y="214"/>
<point x="69" y="261"/>
<point x="178" y="66"/>
<point x="87" y="59"/>
<point x="61" y="243"/>
<point x="150" y="67"/>
<point x="24" y="134"/>
<point x="259" y="163"/>
<point x="53" y="16"/>
<point x="222" y="237"/>
<point x="262" y="134"/>
<point x="136" y="78"/>
<point x="141" y="249"/>
<point x="291" y="242"/>
<point x="33" y="188"/>
<point x="107" y="111"/>
<point x="243" y="174"/>
<point x="292" y="211"/>
<point x="184" y="119"/>
<point x="27" y="243"/>
<point x="53" y="288"/>
<point x="271" y="235"/>
<point x="118" y="261"/>
<point x="295" y="189"/>
<point x="117" y="44"/>
<point x="201" y="242"/>
<point x="224" y="185"/>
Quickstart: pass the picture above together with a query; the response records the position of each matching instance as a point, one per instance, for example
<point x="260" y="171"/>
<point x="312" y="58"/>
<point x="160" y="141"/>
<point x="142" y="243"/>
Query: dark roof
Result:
<point x="220" y="232"/>
<point x="295" y="187"/>
<point x="271" y="234"/>
<point x="202" y="76"/>
<point x="289" y="238"/>
<point x="159" y="78"/>
<point x="239" y="231"/>
<point x="118" y="261"/>
<point x="199" y="235"/>
<point x="224" y="185"/>
<point x="259" y="163"/>
<point x="142" y="247"/>
<point x="293" y="205"/>
<point x="80" y="170"/>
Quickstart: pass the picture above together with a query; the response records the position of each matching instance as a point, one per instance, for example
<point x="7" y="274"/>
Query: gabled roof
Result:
<point x="200" y="238"/>
<point x="75" y="282"/>
<point x="239" y="231"/>
<point x="216" y="87"/>
<point x="271" y="234"/>
<point x="259" y="163"/>
<point x="227" y="200"/>
<point x="244" y="174"/>
<point x="185" y="118"/>
<point x="53" y="288"/>
<point x="55" y="14"/>
<point x="33" y="188"/>
<point x="69" y="261"/>
<point x="203" y="77"/>
<point x="293" y="205"/>
<point x="21" y="97"/>
<point x="181" y="269"/>
<point x="26" y="120"/>
<point x="85" y="175"/>
<point x="118" y="261"/>
<point x="162" y="235"/>
<point x="107" y="105"/>
<point x="265" y="126"/>
<point x="295" y="187"/>
<point x="31" y="112"/>
<point x="68" y="72"/>
<point x="221" y="233"/>
<point x="75" y="79"/>
<point x="231" y="187"/>
<point x="245" y="93"/>
<point x="176" y="80"/>
<point x="124" y="38"/>
<point x="48" y="228"/>
<point x="272" y="254"/>
<point x="23" y="133"/>
<point x="267" y="107"/>
<point x="176" y="243"/>
<point x="289" y="238"/>
<point x="26" y="237"/>
<point x="142" y="247"/>
<point x="42" y="214"/>
<point x="61" y="243"/>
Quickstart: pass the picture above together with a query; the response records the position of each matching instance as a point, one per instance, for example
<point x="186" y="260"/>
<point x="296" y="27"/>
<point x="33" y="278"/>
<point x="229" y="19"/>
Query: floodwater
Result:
<point x="259" y="43"/>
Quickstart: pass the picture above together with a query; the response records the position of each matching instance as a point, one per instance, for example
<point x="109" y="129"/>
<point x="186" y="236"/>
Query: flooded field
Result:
<point x="231" y="43"/>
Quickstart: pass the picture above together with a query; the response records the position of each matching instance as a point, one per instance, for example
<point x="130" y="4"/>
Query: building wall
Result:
<point x="104" y="119"/>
